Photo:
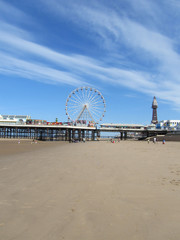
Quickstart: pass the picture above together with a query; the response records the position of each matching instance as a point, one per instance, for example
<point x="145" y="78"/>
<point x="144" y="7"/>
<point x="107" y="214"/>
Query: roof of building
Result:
<point x="121" y="125"/>
<point x="14" y="116"/>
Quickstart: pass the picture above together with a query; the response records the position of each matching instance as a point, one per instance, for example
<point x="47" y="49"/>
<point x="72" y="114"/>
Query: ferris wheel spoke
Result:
<point x="86" y="93"/>
<point x="73" y="108"/>
<point x="95" y="97"/>
<point x="92" y="96"/>
<point x="77" y="95"/>
<point x="97" y="105"/>
<point x="96" y="109"/>
<point x="89" y="94"/>
<point x="82" y="93"/>
<point x="81" y="97"/>
<point x="95" y="112"/>
<point x="77" y="98"/>
<point x="76" y="113"/>
<point x="74" y="102"/>
<point x="95" y="116"/>
<point x="96" y="101"/>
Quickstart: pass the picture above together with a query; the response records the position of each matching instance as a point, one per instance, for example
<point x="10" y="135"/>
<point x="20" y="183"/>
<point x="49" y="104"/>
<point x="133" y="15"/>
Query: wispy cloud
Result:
<point x="37" y="72"/>
<point x="136" y="43"/>
<point x="145" y="42"/>
<point x="77" y="65"/>
<point x="11" y="14"/>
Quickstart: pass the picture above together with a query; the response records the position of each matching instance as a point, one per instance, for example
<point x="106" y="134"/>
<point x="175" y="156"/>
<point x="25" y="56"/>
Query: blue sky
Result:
<point x="127" y="49"/>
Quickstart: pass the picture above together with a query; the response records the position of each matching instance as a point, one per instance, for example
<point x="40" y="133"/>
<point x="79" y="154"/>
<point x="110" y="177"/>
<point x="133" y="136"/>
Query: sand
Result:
<point x="90" y="191"/>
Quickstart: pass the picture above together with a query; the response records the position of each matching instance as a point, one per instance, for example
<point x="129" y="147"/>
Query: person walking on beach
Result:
<point x="154" y="140"/>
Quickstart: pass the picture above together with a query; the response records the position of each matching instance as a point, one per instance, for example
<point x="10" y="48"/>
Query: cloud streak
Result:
<point x="122" y="35"/>
<point x="146" y="43"/>
<point x="78" y="65"/>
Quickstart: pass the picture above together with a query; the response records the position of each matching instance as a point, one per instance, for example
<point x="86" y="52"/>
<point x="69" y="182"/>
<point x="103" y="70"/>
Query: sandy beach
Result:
<point x="89" y="191"/>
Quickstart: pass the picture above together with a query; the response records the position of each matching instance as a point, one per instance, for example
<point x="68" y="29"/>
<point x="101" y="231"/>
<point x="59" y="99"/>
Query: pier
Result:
<point x="69" y="133"/>
<point x="48" y="133"/>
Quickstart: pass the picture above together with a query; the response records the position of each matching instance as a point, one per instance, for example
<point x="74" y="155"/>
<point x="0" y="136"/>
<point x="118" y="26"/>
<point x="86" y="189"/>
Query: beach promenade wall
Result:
<point x="168" y="137"/>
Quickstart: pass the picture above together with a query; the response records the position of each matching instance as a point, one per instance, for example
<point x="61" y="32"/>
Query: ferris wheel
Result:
<point x="85" y="104"/>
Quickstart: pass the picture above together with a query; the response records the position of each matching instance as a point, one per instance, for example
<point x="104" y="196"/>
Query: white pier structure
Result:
<point x="121" y="126"/>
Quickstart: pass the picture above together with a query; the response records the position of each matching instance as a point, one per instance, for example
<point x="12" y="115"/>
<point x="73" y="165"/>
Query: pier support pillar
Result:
<point x="83" y="134"/>
<point x="70" y="135"/>
<point x="66" y="134"/>
<point x="79" y="135"/>
<point x="125" y="135"/>
<point x="73" y="134"/>
<point x="98" y="134"/>
<point x="92" y="136"/>
<point x="121" y="135"/>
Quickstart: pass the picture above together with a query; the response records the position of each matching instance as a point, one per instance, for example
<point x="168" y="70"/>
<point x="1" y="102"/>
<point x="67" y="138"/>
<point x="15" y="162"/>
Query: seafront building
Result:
<point x="168" y="124"/>
<point x="14" y="119"/>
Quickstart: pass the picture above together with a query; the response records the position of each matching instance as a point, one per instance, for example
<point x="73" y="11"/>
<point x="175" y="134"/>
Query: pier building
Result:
<point x="121" y="126"/>
<point x="14" y="119"/>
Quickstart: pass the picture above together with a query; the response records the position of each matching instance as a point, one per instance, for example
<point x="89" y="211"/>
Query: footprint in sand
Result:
<point x="175" y="182"/>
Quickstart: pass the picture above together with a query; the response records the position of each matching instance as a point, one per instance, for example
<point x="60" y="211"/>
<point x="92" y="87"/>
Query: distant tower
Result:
<point x="154" y="107"/>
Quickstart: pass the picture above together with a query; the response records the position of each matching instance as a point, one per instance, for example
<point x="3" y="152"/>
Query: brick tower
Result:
<point x="154" y="107"/>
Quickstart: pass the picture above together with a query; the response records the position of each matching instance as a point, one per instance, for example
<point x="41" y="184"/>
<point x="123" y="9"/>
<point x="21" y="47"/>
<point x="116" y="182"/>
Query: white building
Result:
<point x="168" y="124"/>
<point x="14" y="119"/>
